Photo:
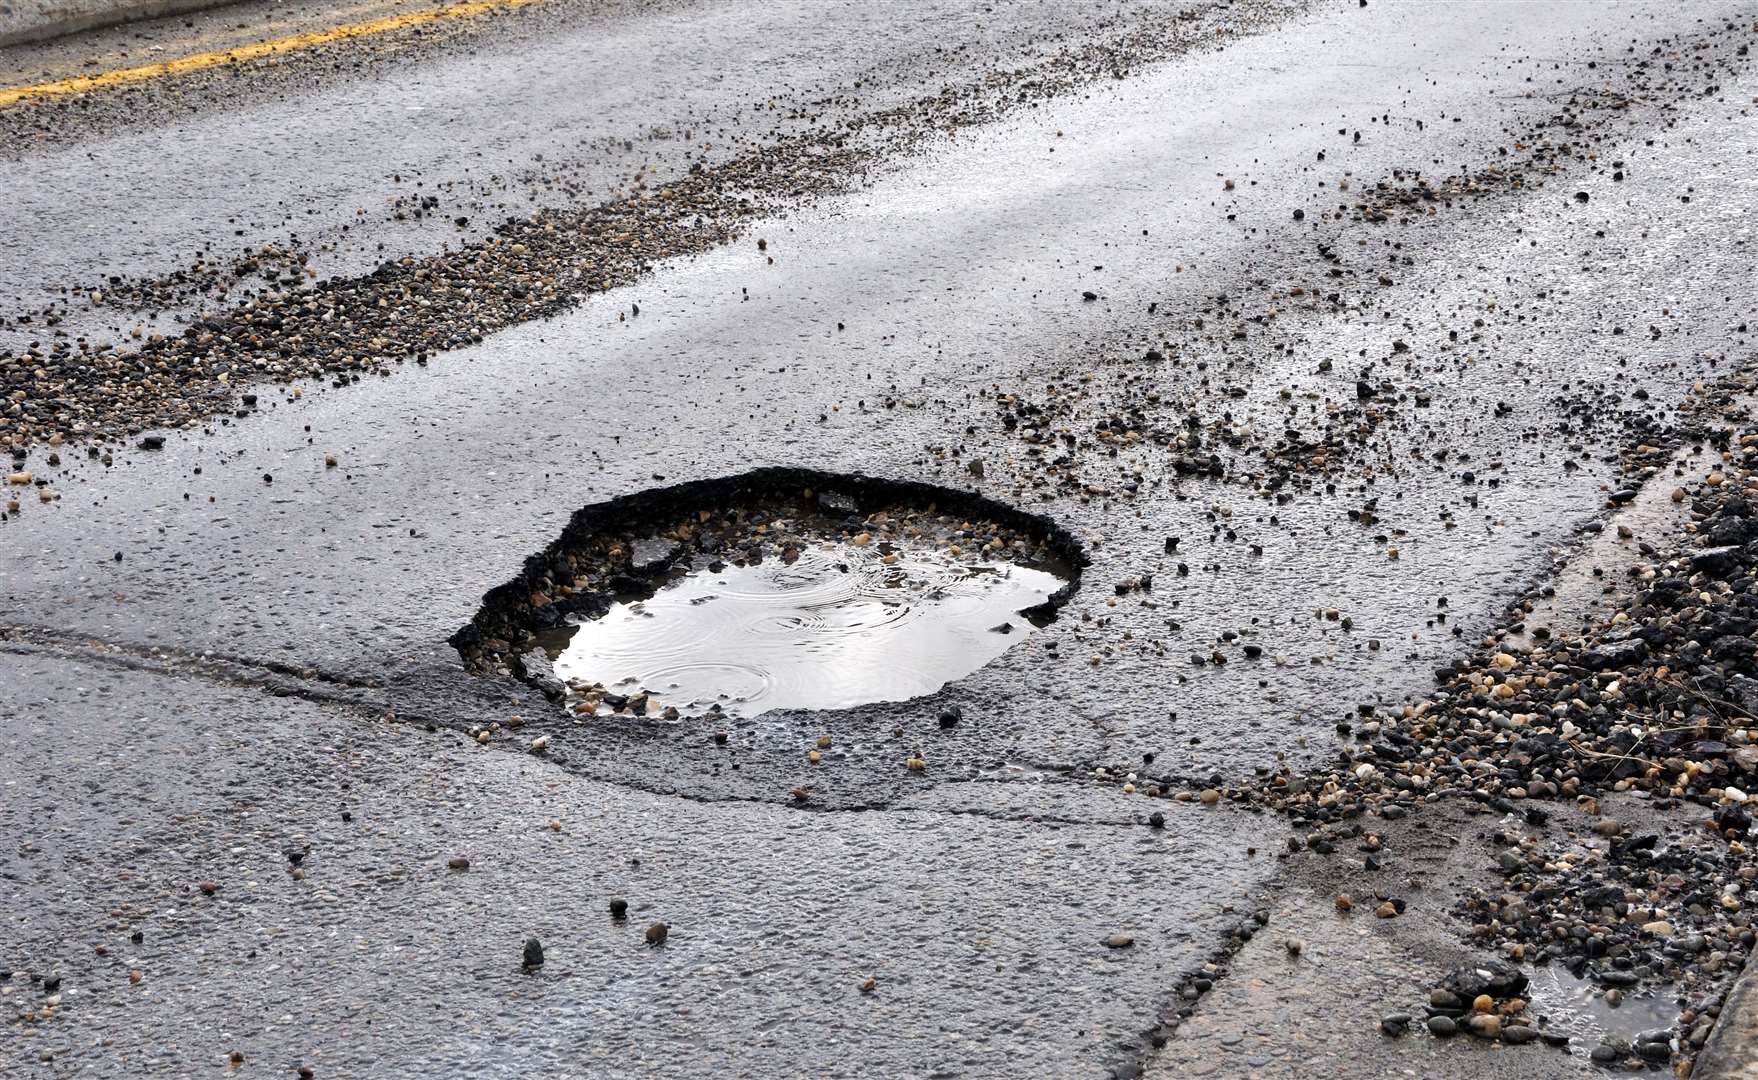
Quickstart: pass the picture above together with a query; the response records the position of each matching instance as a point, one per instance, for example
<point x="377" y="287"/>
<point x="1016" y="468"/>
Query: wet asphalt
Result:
<point x="218" y="648"/>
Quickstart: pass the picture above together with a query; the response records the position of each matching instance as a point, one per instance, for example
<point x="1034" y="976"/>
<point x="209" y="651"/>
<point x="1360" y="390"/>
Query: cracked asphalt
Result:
<point x="225" y="625"/>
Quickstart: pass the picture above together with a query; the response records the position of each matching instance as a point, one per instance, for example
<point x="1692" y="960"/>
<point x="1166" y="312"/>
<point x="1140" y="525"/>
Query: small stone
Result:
<point x="1486" y="1025"/>
<point x="458" y="862"/>
<point x="870" y="985"/>
<point x="1394" y="1023"/>
<point x="619" y="908"/>
<point x="1156" y="820"/>
<point x="1387" y="910"/>
<point x="533" y="958"/>
<point x="1442" y="1026"/>
<point x="1209" y="796"/>
<point x="1119" y="941"/>
<point x="657" y="933"/>
<point x="1518" y="1034"/>
<point x="1654" y="1051"/>
<point x="1345" y="902"/>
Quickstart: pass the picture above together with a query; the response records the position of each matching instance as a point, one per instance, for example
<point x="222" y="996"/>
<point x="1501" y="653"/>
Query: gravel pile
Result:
<point x="1655" y="711"/>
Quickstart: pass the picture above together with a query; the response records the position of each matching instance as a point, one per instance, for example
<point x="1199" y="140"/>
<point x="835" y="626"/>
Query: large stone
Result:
<point x="1497" y="980"/>
<point x="1614" y="654"/>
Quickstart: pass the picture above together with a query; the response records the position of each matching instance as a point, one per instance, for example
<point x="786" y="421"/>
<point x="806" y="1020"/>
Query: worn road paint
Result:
<point x="200" y="61"/>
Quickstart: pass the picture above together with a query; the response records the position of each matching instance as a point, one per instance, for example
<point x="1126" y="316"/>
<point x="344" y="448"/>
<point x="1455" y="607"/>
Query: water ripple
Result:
<point x="835" y="628"/>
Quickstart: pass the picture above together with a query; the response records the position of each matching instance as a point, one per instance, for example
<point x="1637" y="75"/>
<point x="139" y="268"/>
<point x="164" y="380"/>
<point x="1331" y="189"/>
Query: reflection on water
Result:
<point x="1577" y="1007"/>
<point x="838" y="626"/>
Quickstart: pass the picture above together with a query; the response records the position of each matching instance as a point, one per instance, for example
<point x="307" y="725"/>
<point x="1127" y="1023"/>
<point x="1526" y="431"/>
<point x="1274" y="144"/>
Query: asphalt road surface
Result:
<point x="1372" y="307"/>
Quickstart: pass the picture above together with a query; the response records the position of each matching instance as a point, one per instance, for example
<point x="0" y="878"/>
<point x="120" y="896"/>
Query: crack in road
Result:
<point x="268" y="675"/>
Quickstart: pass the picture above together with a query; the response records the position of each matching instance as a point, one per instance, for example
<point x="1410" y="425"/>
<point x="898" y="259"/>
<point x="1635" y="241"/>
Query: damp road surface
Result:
<point x="1328" y="331"/>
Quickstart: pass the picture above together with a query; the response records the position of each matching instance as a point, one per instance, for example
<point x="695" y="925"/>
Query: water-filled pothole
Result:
<point x="780" y="589"/>
<point x="837" y="625"/>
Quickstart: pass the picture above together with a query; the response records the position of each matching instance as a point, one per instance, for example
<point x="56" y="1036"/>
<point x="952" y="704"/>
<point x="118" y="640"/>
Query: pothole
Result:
<point x="779" y="589"/>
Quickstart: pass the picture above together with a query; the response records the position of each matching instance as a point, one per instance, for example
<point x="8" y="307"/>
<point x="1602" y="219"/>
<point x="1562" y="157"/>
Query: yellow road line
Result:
<point x="84" y="83"/>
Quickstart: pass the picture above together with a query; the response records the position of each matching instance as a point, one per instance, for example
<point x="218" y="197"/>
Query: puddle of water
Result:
<point x="1578" y="1007"/>
<point x="839" y="625"/>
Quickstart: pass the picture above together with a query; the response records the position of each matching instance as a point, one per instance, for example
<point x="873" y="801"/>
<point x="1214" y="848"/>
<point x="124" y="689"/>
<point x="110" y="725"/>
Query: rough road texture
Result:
<point x="36" y="20"/>
<point x="1329" y="332"/>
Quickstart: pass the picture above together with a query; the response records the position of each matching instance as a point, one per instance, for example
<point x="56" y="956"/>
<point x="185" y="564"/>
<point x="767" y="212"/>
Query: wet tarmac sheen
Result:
<point x="837" y="627"/>
<point x="1309" y="382"/>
